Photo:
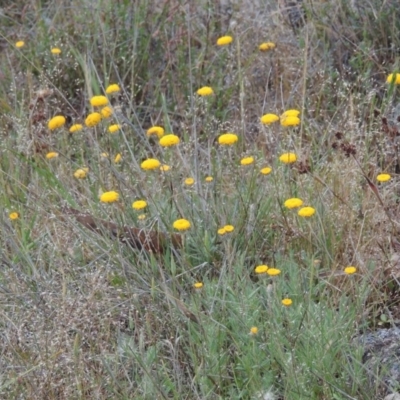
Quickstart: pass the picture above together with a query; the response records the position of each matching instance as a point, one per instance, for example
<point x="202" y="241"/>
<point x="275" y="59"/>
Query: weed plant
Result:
<point x="289" y="223"/>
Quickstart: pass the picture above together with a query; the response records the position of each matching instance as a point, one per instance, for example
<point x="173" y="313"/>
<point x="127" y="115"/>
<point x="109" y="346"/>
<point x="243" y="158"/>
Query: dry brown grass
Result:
<point x="85" y="316"/>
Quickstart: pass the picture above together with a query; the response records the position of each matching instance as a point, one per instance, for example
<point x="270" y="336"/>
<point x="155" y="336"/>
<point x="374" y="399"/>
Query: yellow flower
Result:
<point x="189" y="181"/>
<point x="306" y="212"/>
<point x="20" y="44"/>
<point x="393" y="78"/>
<point x="181" y="224"/>
<point x="225" y="229"/>
<point x="253" y="330"/>
<point x="261" y="269"/>
<point x="273" y="271"/>
<point x="150" y="163"/>
<point x="293" y="203"/>
<point x="118" y="158"/>
<point x="81" y="173"/>
<point x="165" y="168"/>
<point x="13" y="216"/>
<point x="209" y="179"/>
<point x="104" y="155"/>
<point x="76" y="128"/>
<point x="141" y="217"/>
<point x="109" y="197"/>
<point x="287" y="302"/>
<point x="350" y="270"/>
<point x="56" y="50"/>
<point x="224" y="40"/>
<point x="56" y="122"/>
<point x="198" y="285"/>
<point x="290" y="121"/>
<point x="106" y="112"/>
<point x="114" y="128"/>
<point x="383" y="177"/>
<point x="99" y="101"/>
<point x="51" y="154"/>
<point x="93" y="119"/>
<point x="290" y="113"/>
<point x="228" y="139"/>
<point x="268" y="119"/>
<point x="266" y="46"/>
<point x="205" y="91"/>
<point x="229" y="228"/>
<point x="139" y="204"/>
<point x="112" y="88"/>
<point x="155" y="130"/>
<point x="288" y="158"/>
<point x="169" y="140"/>
<point x="266" y="170"/>
<point x="247" y="161"/>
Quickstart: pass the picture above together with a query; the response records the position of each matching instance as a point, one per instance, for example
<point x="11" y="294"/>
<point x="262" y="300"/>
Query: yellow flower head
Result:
<point x="92" y="119"/>
<point x="253" y="330"/>
<point x="350" y="270"/>
<point x="76" y="128"/>
<point x="229" y="228"/>
<point x="56" y="122"/>
<point x="261" y="269"/>
<point x="118" y="158"/>
<point x="224" y="40"/>
<point x="20" y="44"/>
<point x="104" y="155"/>
<point x="273" y="271"/>
<point x="268" y="119"/>
<point x="165" y="168"/>
<point x="169" y="140"/>
<point x="221" y="231"/>
<point x="266" y="170"/>
<point x="155" y="130"/>
<point x="109" y="197"/>
<point x="247" y="161"/>
<point x="290" y="121"/>
<point x="106" y="112"/>
<point x="139" y="204"/>
<point x="99" y="101"/>
<point x="287" y="302"/>
<point x="150" y="163"/>
<point x="393" y="78"/>
<point x="189" y="181"/>
<point x="209" y="179"/>
<point x="112" y="88"/>
<point x="141" y="217"/>
<point x="290" y="113"/>
<point x="306" y="212"/>
<point x="81" y="173"/>
<point x="114" y="128"/>
<point x="288" y="158"/>
<point x="227" y="139"/>
<point x="181" y="224"/>
<point x="266" y="46"/>
<point x="205" y="91"/>
<point x="55" y="50"/>
<point x="293" y="203"/>
<point x="13" y="216"/>
<point x="383" y="177"/>
<point x="51" y="154"/>
<point x="198" y="285"/>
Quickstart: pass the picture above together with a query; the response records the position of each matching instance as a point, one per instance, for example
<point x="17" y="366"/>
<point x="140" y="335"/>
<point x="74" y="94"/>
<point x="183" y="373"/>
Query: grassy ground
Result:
<point x="84" y="316"/>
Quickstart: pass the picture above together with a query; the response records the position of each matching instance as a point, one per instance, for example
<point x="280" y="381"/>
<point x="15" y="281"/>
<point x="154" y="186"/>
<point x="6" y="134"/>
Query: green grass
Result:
<point x="85" y="316"/>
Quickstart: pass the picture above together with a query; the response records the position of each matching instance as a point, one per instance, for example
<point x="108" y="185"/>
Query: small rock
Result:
<point x="382" y="356"/>
<point x="392" y="396"/>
